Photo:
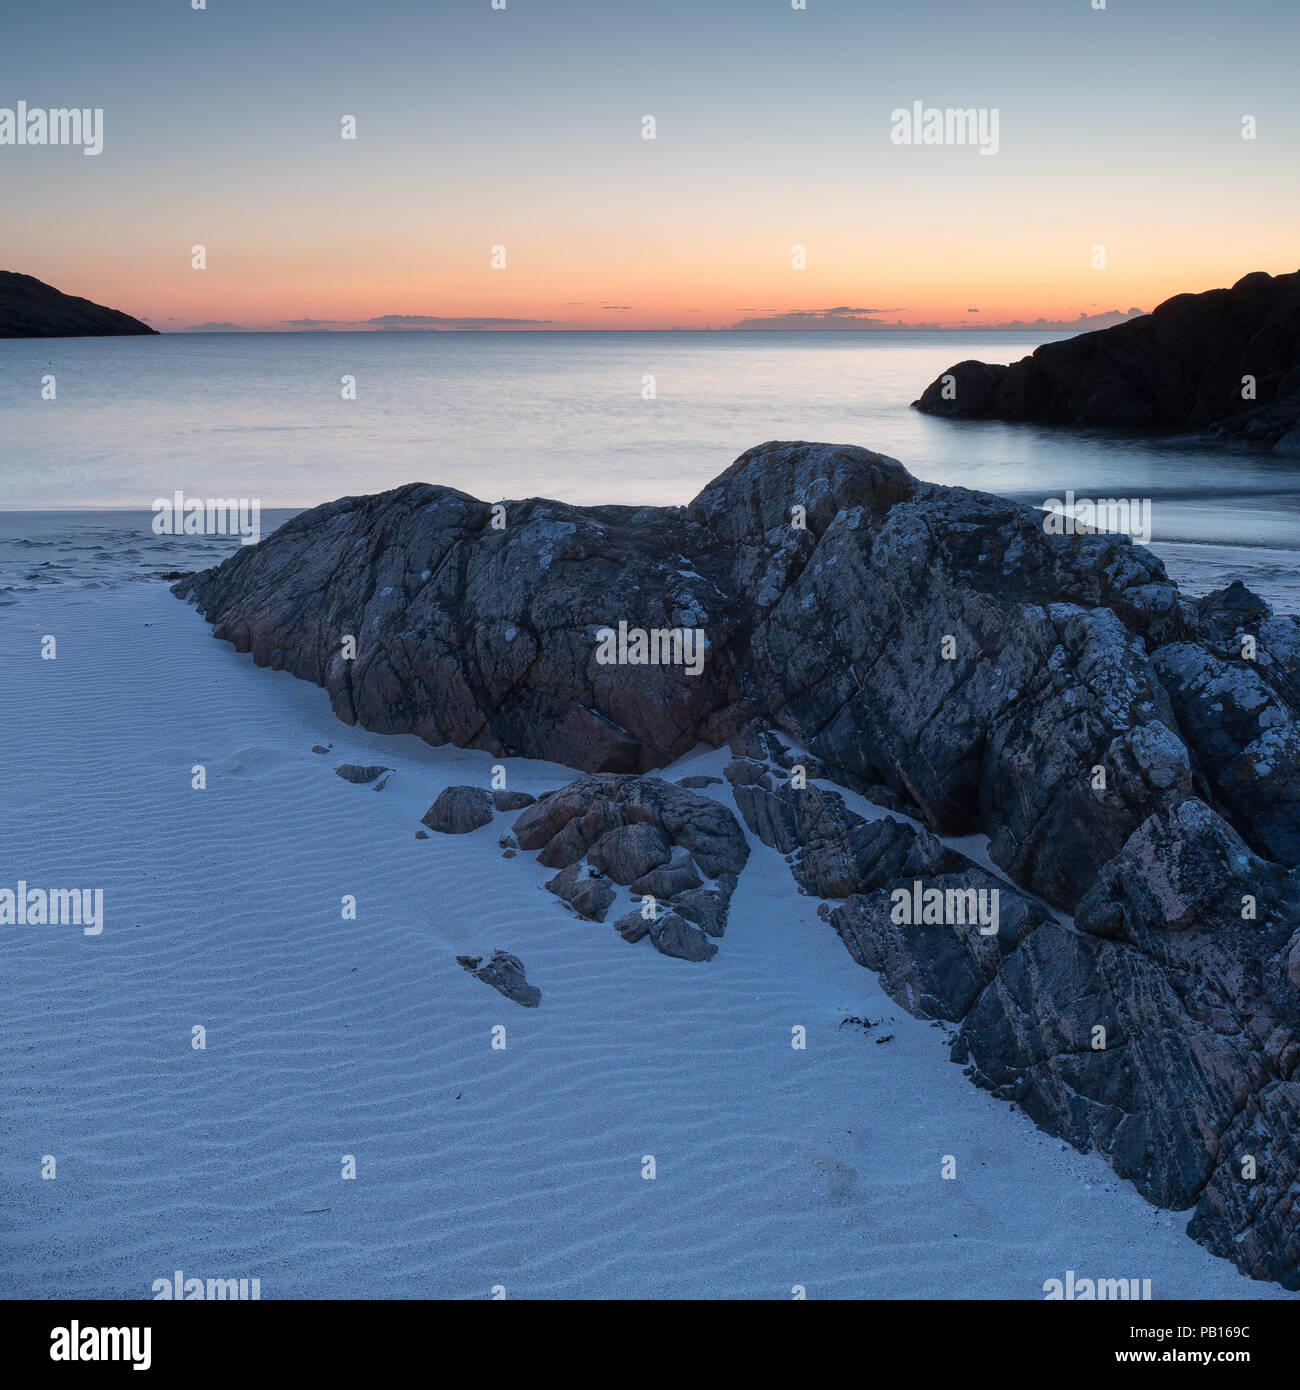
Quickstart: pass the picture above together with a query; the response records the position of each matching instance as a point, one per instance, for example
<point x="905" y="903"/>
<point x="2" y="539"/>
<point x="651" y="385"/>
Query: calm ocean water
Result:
<point x="563" y="415"/>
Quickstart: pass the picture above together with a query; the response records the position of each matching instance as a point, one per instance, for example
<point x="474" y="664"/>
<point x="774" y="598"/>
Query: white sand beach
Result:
<point x="475" y="1168"/>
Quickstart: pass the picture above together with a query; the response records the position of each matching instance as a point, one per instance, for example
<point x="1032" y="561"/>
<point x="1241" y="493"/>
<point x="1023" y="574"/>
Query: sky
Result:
<point x="522" y="128"/>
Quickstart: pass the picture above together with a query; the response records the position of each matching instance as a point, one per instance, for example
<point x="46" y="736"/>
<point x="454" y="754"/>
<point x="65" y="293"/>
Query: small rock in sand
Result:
<point x="354" y="772"/>
<point x="675" y="936"/>
<point x="505" y="973"/>
<point x="458" y="810"/>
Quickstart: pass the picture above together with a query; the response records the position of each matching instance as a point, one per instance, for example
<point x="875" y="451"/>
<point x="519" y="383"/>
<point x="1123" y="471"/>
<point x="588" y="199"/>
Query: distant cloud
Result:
<point x="435" y="321"/>
<point x="216" y="328"/>
<point x="841" y="316"/>
<point x="618" y="308"/>
<point x="844" y="316"/>
<point x="1084" y="321"/>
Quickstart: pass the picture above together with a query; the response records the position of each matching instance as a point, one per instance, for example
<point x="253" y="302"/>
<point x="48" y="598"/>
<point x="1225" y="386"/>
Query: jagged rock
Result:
<point x="1246" y="740"/>
<point x="937" y="969"/>
<point x="629" y="852"/>
<point x="29" y="308"/>
<point x="565" y="824"/>
<point x="511" y="801"/>
<point x="699" y="782"/>
<point x="669" y="880"/>
<point x="470" y="963"/>
<point x="589" y="896"/>
<point x="1180" y="956"/>
<point x="321" y="747"/>
<point x="1181" y="366"/>
<point x="1180" y="870"/>
<point x="458" y="810"/>
<point x="674" y="936"/>
<point x="632" y="926"/>
<point x="707" y="907"/>
<point x="353" y="772"/>
<point x="833" y="633"/>
<point x="1052" y="692"/>
<point x="837" y="852"/>
<point x="505" y="973"/>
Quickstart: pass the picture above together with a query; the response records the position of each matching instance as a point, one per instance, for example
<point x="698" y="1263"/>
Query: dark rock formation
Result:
<point x="628" y="852"/>
<point x="628" y="828"/>
<point x="29" y="308"/>
<point x="1131" y="757"/>
<point x="354" y="772"/>
<point x="669" y="879"/>
<point x="1183" y="366"/>
<point x="511" y="801"/>
<point x="565" y="824"/>
<point x="669" y="934"/>
<point x="458" y="810"/>
<point x="505" y="973"/>
<point x="589" y="894"/>
<point x="674" y="936"/>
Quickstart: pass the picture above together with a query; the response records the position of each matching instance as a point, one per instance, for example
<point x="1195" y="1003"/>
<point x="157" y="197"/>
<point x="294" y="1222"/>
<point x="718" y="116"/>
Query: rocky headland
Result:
<point x="1127" y="971"/>
<point x="1226" y="362"/>
<point x="29" y="308"/>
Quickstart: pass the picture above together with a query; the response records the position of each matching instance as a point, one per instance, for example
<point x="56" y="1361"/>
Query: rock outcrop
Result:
<point x="1131" y="756"/>
<point x="655" y="838"/>
<point x="29" y="308"/>
<point x="1226" y="361"/>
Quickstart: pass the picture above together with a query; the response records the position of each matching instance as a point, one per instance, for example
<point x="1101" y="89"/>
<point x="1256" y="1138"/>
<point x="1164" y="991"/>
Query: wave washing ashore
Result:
<point x="477" y="1168"/>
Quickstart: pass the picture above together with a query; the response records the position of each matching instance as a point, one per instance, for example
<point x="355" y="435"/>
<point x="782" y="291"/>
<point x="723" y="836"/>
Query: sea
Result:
<point x="98" y="428"/>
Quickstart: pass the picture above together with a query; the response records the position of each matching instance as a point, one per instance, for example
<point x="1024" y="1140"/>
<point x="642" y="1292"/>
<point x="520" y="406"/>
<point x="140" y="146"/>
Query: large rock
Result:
<point x="1186" y="365"/>
<point x="1128" y="756"/>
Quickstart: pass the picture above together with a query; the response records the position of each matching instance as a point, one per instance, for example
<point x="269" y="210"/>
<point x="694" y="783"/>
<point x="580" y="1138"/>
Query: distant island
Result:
<point x="29" y="308"/>
<point x="1226" y="362"/>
